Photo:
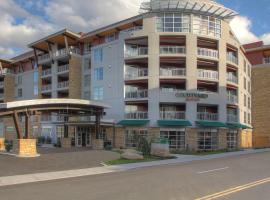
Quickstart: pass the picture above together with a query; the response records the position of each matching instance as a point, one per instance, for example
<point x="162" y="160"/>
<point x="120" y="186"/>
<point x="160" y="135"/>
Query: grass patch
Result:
<point x="204" y="153"/>
<point x="121" y="161"/>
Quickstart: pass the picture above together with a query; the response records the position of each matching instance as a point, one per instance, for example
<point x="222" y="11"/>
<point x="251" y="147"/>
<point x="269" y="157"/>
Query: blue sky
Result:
<point x="24" y="21"/>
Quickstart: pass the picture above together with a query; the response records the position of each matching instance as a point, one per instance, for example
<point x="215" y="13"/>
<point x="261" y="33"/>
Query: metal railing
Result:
<point x="175" y="90"/>
<point x="139" y="94"/>
<point x="232" y="118"/>
<point x="207" y="74"/>
<point x="63" y="84"/>
<point x="232" y="78"/>
<point x="172" y="115"/>
<point x="232" y="58"/>
<point x="46" y="87"/>
<point x="205" y="116"/>
<point x="136" y="115"/>
<point x="208" y="52"/>
<point x="134" y="52"/>
<point x="65" y="52"/>
<point x="62" y="68"/>
<point x="172" y="49"/>
<point x="44" y="57"/>
<point x="46" y="72"/>
<point x="46" y="118"/>
<point x="232" y="98"/>
<point x="140" y="72"/>
<point x="267" y="60"/>
<point x="172" y="71"/>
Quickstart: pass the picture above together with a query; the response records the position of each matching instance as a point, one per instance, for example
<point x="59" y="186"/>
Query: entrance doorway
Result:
<point x="83" y="137"/>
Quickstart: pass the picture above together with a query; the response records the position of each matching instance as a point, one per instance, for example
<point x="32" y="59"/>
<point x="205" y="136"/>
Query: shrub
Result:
<point x="144" y="146"/>
<point x="48" y="140"/>
<point x="8" y="145"/>
<point x="41" y="140"/>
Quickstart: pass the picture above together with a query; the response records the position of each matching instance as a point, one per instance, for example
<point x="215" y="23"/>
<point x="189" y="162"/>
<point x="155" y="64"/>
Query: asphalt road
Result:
<point x="176" y="182"/>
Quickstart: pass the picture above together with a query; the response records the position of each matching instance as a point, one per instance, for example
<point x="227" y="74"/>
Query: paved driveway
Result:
<point x="54" y="160"/>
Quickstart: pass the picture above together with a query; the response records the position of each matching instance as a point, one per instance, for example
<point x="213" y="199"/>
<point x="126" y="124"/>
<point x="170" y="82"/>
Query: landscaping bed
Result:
<point x="203" y="153"/>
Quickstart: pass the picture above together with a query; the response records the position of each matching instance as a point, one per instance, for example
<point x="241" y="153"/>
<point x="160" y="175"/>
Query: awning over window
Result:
<point x="131" y="122"/>
<point x="182" y="123"/>
<point x="238" y="126"/>
<point x="211" y="124"/>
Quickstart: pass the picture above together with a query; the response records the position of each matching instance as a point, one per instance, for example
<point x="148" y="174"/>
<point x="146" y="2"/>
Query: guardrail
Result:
<point x="207" y="116"/>
<point x="136" y="115"/>
<point x="172" y="49"/>
<point x="172" y="71"/>
<point x="208" y="74"/>
<point x="139" y="94"/>
<point x="172" y="115"/>
<point x="208" y="52"/>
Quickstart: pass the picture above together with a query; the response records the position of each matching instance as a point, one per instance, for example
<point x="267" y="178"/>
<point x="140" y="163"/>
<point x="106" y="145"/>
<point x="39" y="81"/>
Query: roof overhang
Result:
<point x="56" y="38"/>
<point x="5" y="62"/>
<point x="203" y="7"/>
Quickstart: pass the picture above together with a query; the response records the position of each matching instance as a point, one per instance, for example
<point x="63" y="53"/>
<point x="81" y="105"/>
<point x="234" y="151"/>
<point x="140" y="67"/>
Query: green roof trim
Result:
<point x="211" y="124"/>
<point x="182" y="123"/>
<point x="131" y="122"/>
<point x="238" y="126"/>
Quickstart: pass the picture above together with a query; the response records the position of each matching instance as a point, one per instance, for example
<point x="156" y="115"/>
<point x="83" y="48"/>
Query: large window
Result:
<point x="98" y="74"/>
<point x="98" y="93"/>
<point x="207" y="139"/>
<point x="36" y="76"/>
<point x="176" y="138"/>
<point x="207" y="25"/>
<point x="132" y="137"/>
<point x="98" y="55"/>
<point x="173" y="22"/>
<point x="232" y="139"/>
<point x="87" y="80"/>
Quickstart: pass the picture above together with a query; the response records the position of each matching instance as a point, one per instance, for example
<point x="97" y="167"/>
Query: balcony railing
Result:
<point x="46" y="88"/>
<point x="172" y="115"/>
<point x="47" y="72"/>
<point x="232" y="58"/>
<point x="65" y="52"/>
<point x="63" y="84"/>
<point x="207" y="52"/>
<point x="172" y="72"/>
<point x="232" y="118"/>
<point x="267" y="60"/>
<point x="174" y="90"/>
<point x="205" y="116"/>
<point x="140" y="51"/>
<point x="139" y="94"/>
<point x="139" y="73"/>
<point x="46" y="118"/>
<point x="208" y="74"/>
<point x="44" y="57"/>
<point x="232" y="78"/>
<point x="62" y="68"/>
<point x="232" y="98"/>
<point x="172" y="50"/>
<point x="137" y="115"/>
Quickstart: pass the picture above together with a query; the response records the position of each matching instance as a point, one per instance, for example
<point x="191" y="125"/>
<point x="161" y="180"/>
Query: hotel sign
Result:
<point x="192" y="96"/>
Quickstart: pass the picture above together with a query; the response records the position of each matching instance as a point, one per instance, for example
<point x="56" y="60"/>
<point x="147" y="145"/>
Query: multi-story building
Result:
<point x="176" y="71"/>
<point x="259" y="56"/>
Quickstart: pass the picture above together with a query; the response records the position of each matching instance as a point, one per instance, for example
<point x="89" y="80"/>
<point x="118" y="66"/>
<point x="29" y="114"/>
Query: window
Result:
<point x="102" y="135"/>
<point x="245" y="117"/>
<point x="207" y="25"/>
<point x="132" y="137"/>
<point x="19" y="80"/>
<point x="98" y="74"/>
<point x="87" y="64"/>
<point x="87" y="95"/>
<point x="176" y="138"/>
<point x="98" y="55"/>
<point x="98" y="93"/>
<point x="87" y="80"/>
<point x="36" y="76"/>
<point x="249" y="118"/>
<point x="110" y="38"/>
<point x="249" y="103"/>
<point x="245" y="83"/>
<point x="249" y="70"/>
<point x="245" y="100"/>
<point x="249" y="87"/>
<point x="1" y="130"/>
<point x="208" y="139"/>
<point x="173" y="22"/>
<point x="245" y="66"/>
<point x="20" y="92"/>
<point x="232" y="139"/>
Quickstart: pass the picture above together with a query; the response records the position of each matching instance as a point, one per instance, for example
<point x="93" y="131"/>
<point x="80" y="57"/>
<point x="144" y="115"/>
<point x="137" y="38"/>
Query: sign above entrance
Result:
<point x="192" y="96"/>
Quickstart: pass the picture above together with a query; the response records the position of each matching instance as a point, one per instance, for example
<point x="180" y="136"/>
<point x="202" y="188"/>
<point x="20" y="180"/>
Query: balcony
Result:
<point x="62" y="68"/>
<point x="172" y="71"/>
<point x="233" y="99"/>
<point x="65" y="52"/>
<point x="172" y="49"/>
<point x="63" y="85"/>
<point x="46" y="88"/>
<point x="232" y="118"/>
<point x="139" y="94"/>
<point x="232" y="78"/>
<point x="46" y="118"/>
<point x="266" y="60"/>
<point x="44" y="58"/>
<point x="136" y="74"/>
<point x="46" y="72"/>
<point x="136" y="52"/>
<point x="231" y="58"/>
<point x="208" y="74"/>
<point x="205" y="116"/>
<point x="136" y="115"/>
<point x="171" y="115"/>
<point x="211" y="53"/>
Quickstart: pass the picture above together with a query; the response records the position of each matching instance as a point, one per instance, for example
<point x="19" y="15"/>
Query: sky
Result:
<point x="24" y="21"/>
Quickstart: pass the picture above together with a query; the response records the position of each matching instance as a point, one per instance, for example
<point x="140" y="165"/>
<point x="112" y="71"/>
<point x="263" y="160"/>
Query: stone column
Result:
<point x="2" y="144"/>
<point x="222" y="139"/>
<point x="27" y="148"/>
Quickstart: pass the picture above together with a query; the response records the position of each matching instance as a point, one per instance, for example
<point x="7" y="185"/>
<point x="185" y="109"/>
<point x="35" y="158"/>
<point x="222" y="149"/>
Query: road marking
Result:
<point x="235" y="189"/>
<point x="213" y="170"/>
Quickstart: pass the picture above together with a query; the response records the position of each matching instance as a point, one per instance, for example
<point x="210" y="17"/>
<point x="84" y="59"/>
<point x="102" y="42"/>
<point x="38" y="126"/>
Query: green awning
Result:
<point x="182" y="123"/>
<point x="238" y="126"/>
<point x="131" y="122"/>
<point x="211" y="124"/>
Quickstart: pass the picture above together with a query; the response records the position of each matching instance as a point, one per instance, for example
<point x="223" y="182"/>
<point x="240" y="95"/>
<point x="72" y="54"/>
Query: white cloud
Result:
<point x="266" y="38"/>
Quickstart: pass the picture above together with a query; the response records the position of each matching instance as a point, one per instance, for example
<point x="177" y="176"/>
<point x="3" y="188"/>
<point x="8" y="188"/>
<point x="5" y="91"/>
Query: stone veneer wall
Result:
<point x="75" y="65"/>
<point x="27" y="147"/>
<point x="2" y="144"/>
<point x="9" y="86"/>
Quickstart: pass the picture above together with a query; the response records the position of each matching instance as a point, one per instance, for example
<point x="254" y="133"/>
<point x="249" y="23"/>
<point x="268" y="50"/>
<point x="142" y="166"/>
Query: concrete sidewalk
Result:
<point x="38" y="177"/>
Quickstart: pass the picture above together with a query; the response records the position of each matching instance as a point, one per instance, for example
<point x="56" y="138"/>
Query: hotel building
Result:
<point x="259" y="56"/>
<point x="175" y="71"/>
